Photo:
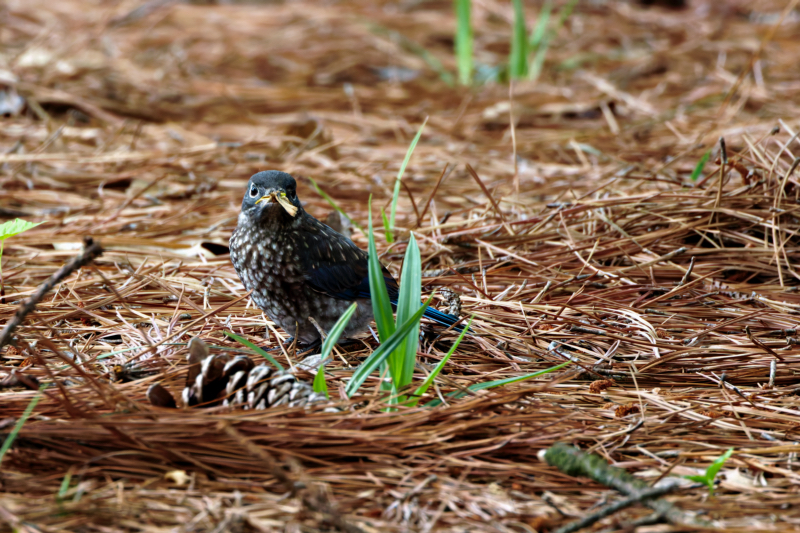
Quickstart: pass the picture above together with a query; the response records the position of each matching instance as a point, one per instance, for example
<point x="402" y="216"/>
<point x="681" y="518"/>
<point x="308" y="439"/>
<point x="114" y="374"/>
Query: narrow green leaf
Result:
<point x="334" y="205"/>
<point x="396" y="192"/>
<point x="62" y="490"/>
<point x="327" y="346"/>
<point x="541" y="51"/>
<point x="422" y="389"/>
<point x="699" y="479"/>
<point x="700" y="165"/>
<point x="255" y="348"/>
<point x="320" y="385"/>
<point x="518" y="60"/>
<point x="21" y="422"/>
<point x="708" y="477"/>
<point x="402" y="360"/>
<point x="464" y="41"/>
<point x="379" y="356"/>
<point x="564" y="14"/>
<point x="336" y="331"/>
<point x="381" y="306"/>
<point x="387" y="229"/>
<point x="498" y="383"/>
<point x="715" y="467"/>
<point x="540" y="30"/>
<point x="15" y="227"/>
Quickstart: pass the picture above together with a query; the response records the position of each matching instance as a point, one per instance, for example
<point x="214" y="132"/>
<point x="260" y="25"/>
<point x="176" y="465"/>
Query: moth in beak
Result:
<point x="279" y="197"/>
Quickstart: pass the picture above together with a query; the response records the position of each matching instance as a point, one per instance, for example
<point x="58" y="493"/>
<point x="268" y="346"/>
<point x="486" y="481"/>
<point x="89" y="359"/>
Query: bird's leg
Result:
<point x="286" y="345"/>
<point x="301" y="347"/>
<point x="310" y="348"/>
<point x="348" y="344"/>
<point x="293" y="345"/>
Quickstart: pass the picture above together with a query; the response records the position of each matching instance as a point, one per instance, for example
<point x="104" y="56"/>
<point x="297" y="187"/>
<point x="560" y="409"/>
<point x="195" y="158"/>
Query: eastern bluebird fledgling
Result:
<point x="297" y="267"/>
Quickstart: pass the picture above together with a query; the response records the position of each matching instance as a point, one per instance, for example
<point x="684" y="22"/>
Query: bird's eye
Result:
<point x="253" y="191"/>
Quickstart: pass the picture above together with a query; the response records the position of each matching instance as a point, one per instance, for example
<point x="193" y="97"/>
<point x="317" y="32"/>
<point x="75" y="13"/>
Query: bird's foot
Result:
<point x="308" y="348"/>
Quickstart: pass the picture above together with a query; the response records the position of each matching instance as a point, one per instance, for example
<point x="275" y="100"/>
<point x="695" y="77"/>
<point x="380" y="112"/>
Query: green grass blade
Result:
<point x="379" y="356"/>
<point x="711" y="472"/>
<point x="497" y="383"/>
<point x="21" y="422"/>
<point x="714" y="468"/>
<point x="402" y="360"/>
<point x="396" y="192"/>
<point x="387" y="229"/>
<point x="540" y="30"/>
<point x="320" y="385"/>
<point x="65" y="483"/>
<point x="422" y="389"/>
<point x="537" y="63"/>
<point x="336" y="331"/>
<point x="540" y="41"/>
<point x="255" y="348"/>
<point x="700" y="165"/>
<point x="381" y="306"/>
<point x="564" y="14"/>
<point x="334" y="205"/>
<point x="702" y="479"/>
<point x="518" y="60"/>
<point x="541" y="51"/>
<point x="463" y="41"/>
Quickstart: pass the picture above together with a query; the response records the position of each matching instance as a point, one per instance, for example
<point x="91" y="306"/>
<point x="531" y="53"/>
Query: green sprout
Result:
<point x="700" y="165"/>
<point x="11" y="228"/>
<point x="396" y="192"/>
<point x="711" y="472"/>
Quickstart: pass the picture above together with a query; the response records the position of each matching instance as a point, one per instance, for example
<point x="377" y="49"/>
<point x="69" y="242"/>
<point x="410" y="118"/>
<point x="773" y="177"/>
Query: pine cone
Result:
<point x="453" y="301"/>
<point x="234" y="381"/>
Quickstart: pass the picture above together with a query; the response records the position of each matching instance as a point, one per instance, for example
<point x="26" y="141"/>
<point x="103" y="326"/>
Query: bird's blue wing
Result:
<point x="336" y="267"/>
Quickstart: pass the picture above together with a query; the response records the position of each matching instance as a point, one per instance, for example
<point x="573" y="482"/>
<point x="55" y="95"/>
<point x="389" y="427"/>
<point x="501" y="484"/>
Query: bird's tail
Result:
<point x="443" y="319"/>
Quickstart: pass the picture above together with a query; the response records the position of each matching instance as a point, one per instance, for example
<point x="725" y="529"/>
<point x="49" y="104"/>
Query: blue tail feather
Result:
<point x="443" y="319"/>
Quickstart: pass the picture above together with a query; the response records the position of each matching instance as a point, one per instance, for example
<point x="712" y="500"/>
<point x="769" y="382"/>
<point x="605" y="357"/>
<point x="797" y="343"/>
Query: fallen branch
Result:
<point x="91" y="251"/>
<point x="586" y="521"/>
<point x="574" y="462"/>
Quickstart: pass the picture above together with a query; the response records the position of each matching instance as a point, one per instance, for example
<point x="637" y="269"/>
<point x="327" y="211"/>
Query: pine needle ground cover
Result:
<point x="585" y="229"/>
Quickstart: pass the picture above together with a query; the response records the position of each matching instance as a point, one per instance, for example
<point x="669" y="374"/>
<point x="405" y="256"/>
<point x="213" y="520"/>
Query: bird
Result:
<point x="297" y="267"/>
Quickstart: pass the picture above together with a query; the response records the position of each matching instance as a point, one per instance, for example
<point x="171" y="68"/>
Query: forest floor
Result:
<point x="584" y="237"/>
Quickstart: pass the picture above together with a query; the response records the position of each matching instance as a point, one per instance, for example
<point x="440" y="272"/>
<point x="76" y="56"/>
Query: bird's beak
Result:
<point x="280" y="197"/>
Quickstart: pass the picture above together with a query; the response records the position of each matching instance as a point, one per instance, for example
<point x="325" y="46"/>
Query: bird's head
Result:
<point x="271" y="196"/>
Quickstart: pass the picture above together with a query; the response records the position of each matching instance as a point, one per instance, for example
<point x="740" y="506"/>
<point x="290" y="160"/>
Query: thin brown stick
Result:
<point x="411" y="199"/>
<point x="433" y="193"/>
<point x="491" y="198"/>
<point x="91" y="251"/>
<point x="640" y="497"/>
